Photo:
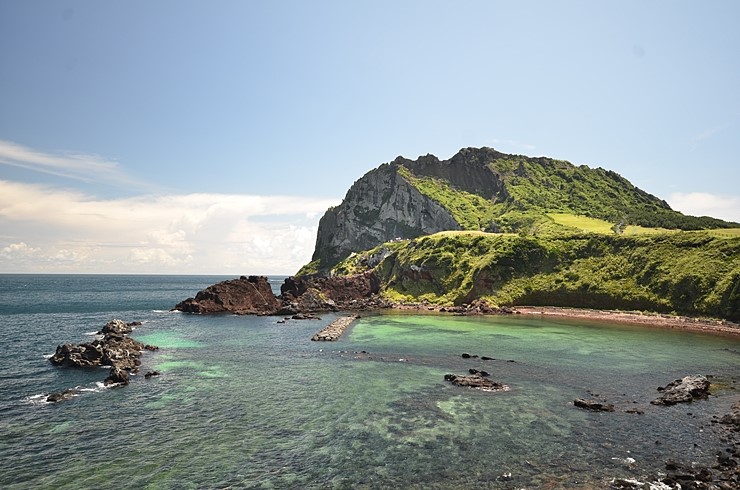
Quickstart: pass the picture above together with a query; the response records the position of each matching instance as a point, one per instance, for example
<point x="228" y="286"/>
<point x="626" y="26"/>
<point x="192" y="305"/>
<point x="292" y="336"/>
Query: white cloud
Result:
<point x="52" y="230"/>
<point x="705" y="204"/>
<point x="77" y="166"/>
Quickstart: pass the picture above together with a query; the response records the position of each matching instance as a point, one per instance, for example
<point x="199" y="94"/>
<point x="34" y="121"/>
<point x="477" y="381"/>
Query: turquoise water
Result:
<point x="244" y="402"/>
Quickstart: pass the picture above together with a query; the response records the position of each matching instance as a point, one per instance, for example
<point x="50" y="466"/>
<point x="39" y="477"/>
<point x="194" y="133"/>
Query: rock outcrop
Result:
<point x="593" y="405"/>
<point x="379" y="207"/>
<point x="683" y="390"/>
<point x="476" y="381"/>
<point x="302" y="295"/>
<point x="115" y="349"/>
<point x="246" y="295"/>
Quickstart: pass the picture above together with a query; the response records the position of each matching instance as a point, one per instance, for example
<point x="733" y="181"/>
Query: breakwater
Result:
<point x="335" y="329"/>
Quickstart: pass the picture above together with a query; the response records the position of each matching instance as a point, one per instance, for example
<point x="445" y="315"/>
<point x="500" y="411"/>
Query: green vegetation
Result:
<point x="310" y="268"/>
<point x="574" y="197"/>
<point x="471" y="211"/>
<point x="687" y="273"/>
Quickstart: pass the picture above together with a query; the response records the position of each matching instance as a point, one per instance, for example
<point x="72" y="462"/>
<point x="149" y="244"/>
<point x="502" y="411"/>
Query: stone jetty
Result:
<point x="335" y="329"/>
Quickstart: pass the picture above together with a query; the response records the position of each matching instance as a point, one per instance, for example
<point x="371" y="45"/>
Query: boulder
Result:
<point x="82" y="355"/>
<point x="683" y="390"/>
<point x="733" y="418"/>
<point x="117" y="376"/>
<point x="62" y="396"/>
<point x="118" y="327"/>
<point x="476" y="381"/>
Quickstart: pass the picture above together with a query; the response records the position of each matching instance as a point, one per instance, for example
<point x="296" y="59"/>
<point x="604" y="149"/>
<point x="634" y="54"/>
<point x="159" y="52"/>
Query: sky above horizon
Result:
<point x="209" y="137"/>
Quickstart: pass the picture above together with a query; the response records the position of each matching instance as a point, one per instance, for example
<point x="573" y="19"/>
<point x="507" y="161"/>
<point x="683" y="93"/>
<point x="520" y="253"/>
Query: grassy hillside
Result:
<point x="535" y="187"/>
<point x="687" y="273"/>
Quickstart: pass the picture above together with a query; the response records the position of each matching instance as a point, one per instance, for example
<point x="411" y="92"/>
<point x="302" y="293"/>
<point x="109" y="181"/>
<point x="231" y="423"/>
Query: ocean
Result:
<point x="245" y="402"/>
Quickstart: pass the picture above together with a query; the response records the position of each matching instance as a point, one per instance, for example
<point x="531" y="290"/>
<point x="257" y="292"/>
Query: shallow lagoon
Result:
<point x="243" y="402"/>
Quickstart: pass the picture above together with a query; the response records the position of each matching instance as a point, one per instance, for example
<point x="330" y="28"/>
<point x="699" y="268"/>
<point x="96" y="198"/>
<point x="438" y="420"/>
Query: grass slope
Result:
<point x="536" y="187"/>
<point x="687" y="273"/>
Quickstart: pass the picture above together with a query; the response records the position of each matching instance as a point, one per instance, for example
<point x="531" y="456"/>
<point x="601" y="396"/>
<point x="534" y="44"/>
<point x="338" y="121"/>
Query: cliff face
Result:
<point x="379" y="207"/>
<point x="481" y="189"/>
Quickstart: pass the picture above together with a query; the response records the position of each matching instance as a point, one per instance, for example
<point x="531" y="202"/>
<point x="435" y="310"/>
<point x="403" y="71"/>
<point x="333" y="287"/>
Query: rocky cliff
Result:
<point x="379" y="207"/>
<point x="482" y="189"/>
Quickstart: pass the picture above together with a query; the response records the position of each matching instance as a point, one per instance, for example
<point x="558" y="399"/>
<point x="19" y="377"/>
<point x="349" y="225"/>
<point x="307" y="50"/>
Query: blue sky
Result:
<point x="209" y="137"/>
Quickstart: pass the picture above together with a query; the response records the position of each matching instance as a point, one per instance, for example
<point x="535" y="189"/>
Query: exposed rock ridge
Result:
<point x="379" y="207"/>
<point x="468" y="170"/>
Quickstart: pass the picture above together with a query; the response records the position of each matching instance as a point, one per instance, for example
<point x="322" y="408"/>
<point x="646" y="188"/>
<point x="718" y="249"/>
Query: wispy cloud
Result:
<point x="705" y="135"/>
<point x="705" y="204"/>
<point x="49" y="230"/>
<point x="70" y="165"/>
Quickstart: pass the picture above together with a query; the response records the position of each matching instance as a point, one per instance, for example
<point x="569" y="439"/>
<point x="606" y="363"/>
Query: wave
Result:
<point x="41" y="398"/>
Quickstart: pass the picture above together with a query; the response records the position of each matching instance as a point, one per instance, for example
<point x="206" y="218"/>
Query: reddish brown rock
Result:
<point x="341" y="289"/>
<point x="247" y="295"/>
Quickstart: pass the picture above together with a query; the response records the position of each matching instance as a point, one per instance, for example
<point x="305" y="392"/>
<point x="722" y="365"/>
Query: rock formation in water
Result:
<point x="477" y="381"/>
<point x="115" y="349"/>
<point x="246" y="295"/>
<point x="687" y="389"/>
<point x="254" y="296"/>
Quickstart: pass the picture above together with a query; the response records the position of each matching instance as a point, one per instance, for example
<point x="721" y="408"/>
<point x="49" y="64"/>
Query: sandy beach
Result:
<point x="706" y="325"/>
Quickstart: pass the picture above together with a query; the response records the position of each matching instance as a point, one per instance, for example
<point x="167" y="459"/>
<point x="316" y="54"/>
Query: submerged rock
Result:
<point x="62" y="396"/>
<point x="593" y="405"/>
<point x="683" y="390"/>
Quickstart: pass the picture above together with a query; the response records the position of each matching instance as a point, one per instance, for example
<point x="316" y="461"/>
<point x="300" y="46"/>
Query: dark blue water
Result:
<point x="245" y="402"/>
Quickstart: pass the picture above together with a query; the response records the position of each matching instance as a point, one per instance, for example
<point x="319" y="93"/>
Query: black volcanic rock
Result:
<point x="683" y="390"/>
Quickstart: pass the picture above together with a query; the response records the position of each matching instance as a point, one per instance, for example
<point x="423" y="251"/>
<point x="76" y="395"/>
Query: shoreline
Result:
<point x="704" y="325"/>
<point x="651" y="319"/>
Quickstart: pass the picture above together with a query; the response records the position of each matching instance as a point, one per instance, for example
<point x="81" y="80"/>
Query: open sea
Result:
<point x="245" y="402"/>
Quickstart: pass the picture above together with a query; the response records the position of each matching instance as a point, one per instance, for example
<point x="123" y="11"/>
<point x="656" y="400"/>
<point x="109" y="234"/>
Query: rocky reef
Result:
<point x="114" y="348"/>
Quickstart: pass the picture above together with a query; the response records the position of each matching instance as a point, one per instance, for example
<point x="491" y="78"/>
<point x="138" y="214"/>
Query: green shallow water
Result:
<point x="243" y="402"/>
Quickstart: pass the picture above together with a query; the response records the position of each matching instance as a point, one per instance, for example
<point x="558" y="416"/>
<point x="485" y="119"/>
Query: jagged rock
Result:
<point x="246" y="295"/>
<point x="111" y="350"/>
<point x="733" y="418"/>
<point x="82" y="355"/>
<point x="379" y="207"/>
<point x="62" y="396"/>
<point x="118" y="327"/>
<point x="117" y="376"/>
<point x="683" y="390"/>
<point x="149" y="374"/>
<point x="476" y="381"/>
<point x="593" y="405"/>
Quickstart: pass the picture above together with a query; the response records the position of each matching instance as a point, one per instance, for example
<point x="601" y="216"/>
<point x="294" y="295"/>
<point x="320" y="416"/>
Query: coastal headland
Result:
<point x="252" y="295"/>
